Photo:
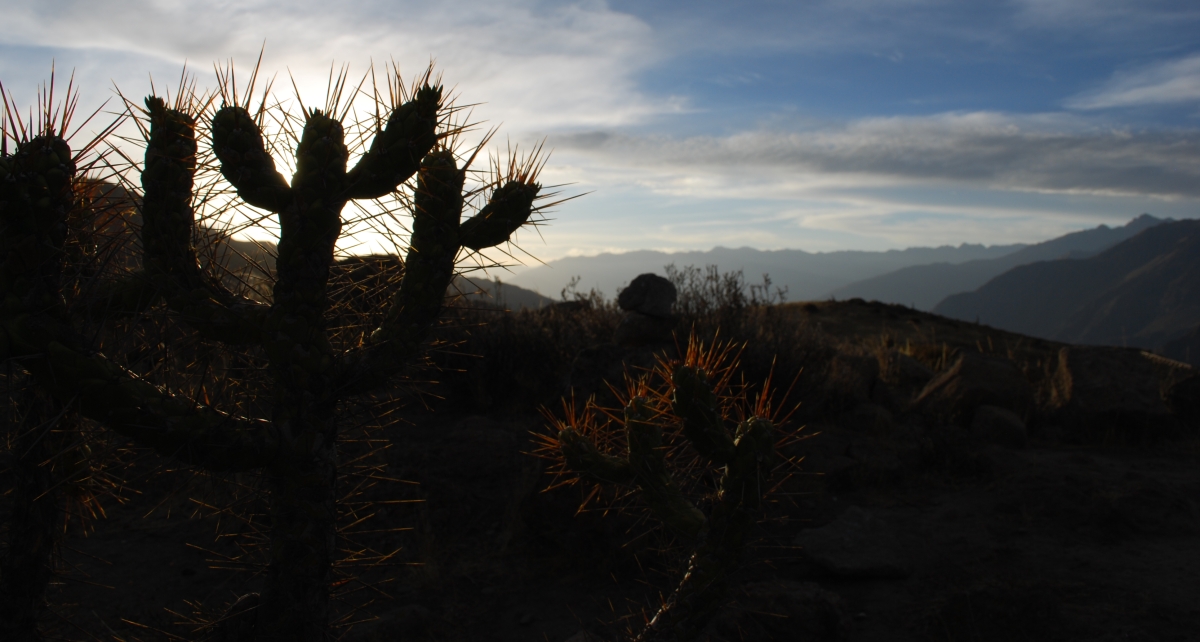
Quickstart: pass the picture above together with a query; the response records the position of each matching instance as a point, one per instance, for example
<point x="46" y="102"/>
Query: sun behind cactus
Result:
<point x="311" y="366"/>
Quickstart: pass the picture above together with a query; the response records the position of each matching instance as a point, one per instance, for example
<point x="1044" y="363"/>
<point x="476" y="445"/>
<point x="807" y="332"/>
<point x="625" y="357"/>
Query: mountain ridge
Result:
<point x="925" y="286"/>
<point x="806" y="275"/>
<point x="1143" y="292"/>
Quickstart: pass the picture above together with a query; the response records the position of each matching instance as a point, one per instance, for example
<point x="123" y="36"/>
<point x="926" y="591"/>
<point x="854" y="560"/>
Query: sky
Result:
<point x="818" y="125"/>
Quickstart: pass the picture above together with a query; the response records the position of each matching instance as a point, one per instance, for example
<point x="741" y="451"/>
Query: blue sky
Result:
<point x="821" y="125"/>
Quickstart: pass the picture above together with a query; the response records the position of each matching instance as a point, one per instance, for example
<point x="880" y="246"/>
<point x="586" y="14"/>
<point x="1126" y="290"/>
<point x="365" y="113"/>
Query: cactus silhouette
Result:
<point x="294" y="445"/>
<point x="687" y="403"/>
<point x="47" y="457"/>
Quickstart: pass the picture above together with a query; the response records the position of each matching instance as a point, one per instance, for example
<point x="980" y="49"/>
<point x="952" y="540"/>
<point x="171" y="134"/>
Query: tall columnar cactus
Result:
<point x="44" y="452"/>
<point x="295" y="445"/>
<point x="687" y="403"/>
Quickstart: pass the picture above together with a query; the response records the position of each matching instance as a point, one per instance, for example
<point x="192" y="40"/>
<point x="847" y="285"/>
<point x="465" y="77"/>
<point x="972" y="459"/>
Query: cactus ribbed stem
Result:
<point x="719" y="539"/>
<point x="296" y="447"/>
<point x="170" y="259"/>
<point x="35" y="521"/>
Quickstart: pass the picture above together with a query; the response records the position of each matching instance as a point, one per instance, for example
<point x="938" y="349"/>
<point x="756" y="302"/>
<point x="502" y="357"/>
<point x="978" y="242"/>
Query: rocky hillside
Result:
<point x="1144" y="292"/>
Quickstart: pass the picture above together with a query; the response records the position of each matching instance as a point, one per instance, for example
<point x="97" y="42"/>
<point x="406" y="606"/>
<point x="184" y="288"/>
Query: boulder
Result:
<point x="869" y="418"/>
<point x="973" y="381"/>
<point x="856" y="545"/>
<point x="649" y="294"/>
<point x="239" y="621"/>
<point x="1183" y="397"/>
<point x="647" y="303"/>
<point x="852" y="376"/>
<point x="1185" y="348"/>
<point x="999" y="426"/>
<point x="403" y="623"/>
<point x="904" y="371"/>
<point x="781" y="610"/>
<point x="637" y="329"/>
<point x="909" y="370"/>
<point x="1101" y="392"/>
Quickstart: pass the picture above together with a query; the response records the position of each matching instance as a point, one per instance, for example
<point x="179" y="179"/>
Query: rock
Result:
<point x="239" y="621"/>
<point x="854" y="546"/>
<point x="1098" y="392"/>
<point x="647" y="303"/>
<point x="909" y="370"/>
<point x="1183" y="397"/>
<point x="781" y="610"/>
<point x="999" y="426"/>
<point x="975" y="380"/>
<point x="637" y="329"/>
<point x="411" y="618"/>
<point x="398" y="625"/>
<point x="868" y="417"/>
<point x="585" y="636"/>
<point x="649" y="294"/>
<point x="873" y="462"/>
<point x="1185" y="348"/>
<point x="903" y="371"/>
<point x="853" y="376"/>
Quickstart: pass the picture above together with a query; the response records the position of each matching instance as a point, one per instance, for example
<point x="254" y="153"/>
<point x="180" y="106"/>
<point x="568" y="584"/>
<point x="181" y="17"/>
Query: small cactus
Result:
<point x="686" y="403"/>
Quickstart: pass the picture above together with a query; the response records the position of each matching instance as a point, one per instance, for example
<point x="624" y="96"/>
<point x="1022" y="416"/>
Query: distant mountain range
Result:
<point x="924" y="286"/>
<point x="919" y="277"/>
<point x="1143" y="292"/>
<point x="807" y="276"/>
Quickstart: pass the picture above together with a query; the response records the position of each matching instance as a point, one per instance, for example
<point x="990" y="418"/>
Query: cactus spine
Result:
<point x="295" y="445"/>
<point x="745" y="459"/>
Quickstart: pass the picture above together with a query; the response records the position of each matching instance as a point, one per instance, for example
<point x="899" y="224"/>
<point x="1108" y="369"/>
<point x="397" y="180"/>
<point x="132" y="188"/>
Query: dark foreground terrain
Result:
<point x="957" y="483"/>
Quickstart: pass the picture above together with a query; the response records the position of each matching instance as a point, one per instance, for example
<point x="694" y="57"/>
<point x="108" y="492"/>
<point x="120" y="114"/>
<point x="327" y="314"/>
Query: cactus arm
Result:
<point x="582" y="456"/>
<point x="719" y="554"/>
<point x="396" y="152"/>
<point x="754" y="457"/>
<point x="170" y="259"/>
<point x="245" y="163"/>
<point x="507" y="209"/>
<point x="130" y="406"/>
<point x="294" y="332"/>
<point x="125" y="295"/>
<point x="35" y="198"/>
<point x="661" y="492"/>
<point x="428" y="271"/>
<point x="311" y="222"/>
<point x="695" y="402"/>
<point x="437" y="238"/>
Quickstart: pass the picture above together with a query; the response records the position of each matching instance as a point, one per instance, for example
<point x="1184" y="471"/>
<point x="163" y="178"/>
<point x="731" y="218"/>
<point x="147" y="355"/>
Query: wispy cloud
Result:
<point x="1054" y="153"/>
<point x="566" y="65"/>
<point x="1106" y="16"/>
<point x="1166" y="82"/>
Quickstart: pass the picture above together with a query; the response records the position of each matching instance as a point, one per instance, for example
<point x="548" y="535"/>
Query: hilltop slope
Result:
<point x="924" y="286"/>
<point x="1142" y="292"/>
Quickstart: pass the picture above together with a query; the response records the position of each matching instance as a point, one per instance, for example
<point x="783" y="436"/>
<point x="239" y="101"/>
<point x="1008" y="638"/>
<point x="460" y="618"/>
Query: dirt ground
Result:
<point x="980" y="542"/>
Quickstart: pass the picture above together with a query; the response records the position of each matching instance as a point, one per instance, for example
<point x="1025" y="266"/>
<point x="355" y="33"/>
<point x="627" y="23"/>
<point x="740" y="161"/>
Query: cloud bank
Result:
<point x="1052" y="153"/>
<point x="566" y="65"/>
